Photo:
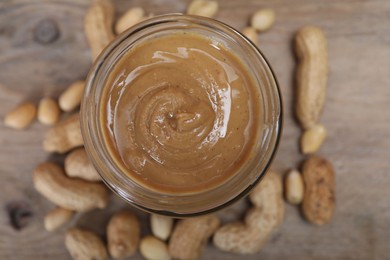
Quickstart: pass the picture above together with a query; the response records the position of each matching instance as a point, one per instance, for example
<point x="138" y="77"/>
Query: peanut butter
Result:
<point x="180" y="113"/>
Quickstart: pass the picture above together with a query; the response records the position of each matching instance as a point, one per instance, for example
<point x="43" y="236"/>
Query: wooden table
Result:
<point x="43" y="49"/>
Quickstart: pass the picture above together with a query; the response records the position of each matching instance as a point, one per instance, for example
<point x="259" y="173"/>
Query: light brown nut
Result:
<point x="64" y="136"/>
<point x="77" y="164"/>
<point x="251" y="34"/>
<point x="190" y="235"/>
<point x="48" y="111"/>
<point x="263" y="19"/>
<point x="203" y="8"/>
<point x="71" y="97"/>
<point x="56" y="218"/>
<point x="129" y="18"/>
<point x="313" y="138"/>
<point x="319" y="198"/>
<point x="152" y="248"/>
<point x="294" y="187"/>
<point x="98" y="24"/>
<point x="123" y="235"/>
<point x="85" y="245"/>
<point x="260" y="221"/>
<point x="311" y="75"/>
<point x="21" y="117"/>
<point x="73" y="194"/>
<point x="161" y="226"/>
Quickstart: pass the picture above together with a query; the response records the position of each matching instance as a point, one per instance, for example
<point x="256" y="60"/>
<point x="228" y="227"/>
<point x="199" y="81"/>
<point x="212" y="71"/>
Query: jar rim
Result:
<point x="100" y="157"/>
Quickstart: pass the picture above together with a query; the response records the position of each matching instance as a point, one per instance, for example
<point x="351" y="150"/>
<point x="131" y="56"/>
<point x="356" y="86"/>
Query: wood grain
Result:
<point x="37" y="61"/>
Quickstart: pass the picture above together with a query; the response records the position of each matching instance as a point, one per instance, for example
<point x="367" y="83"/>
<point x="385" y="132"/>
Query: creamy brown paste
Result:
<point x="180" y="113"/>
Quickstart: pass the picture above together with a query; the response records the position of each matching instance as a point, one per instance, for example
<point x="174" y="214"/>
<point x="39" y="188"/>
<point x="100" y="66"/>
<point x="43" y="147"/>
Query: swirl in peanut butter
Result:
<point x="180" y="114"/>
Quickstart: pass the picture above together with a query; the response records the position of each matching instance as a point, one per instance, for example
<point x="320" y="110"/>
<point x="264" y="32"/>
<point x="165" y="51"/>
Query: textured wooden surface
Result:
<point x="37" y="60"/>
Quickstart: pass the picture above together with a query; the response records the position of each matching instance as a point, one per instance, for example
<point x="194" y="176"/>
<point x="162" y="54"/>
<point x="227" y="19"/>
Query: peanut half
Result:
<point x="77" y="164"/>
<point x="129" y="18"/>
<point x="123" y="234"/>
<point x="83" y="244"/>
<point x="311" y="75"/>
<point x="71" y="97"/>
<point x="260" y="221"/>
<point x="73" y="194"/>
<point x="263" y="19"/>
<point x="152" y="248"/>
<point x="203" y="8"/>
<point x="319" y="198"/>
<point x="294" y="187"/>
<point x="161" y="226"/>
<point x="48" y="111"/>
<point x="190" y="235"/>
<point x="313" y="138"/>
<point x="64" y="136"/>
<point x="57" y="218"/>
<point x="251" y="34"/>
<point x="98" y="24"/>
<point x="21" y="117"/>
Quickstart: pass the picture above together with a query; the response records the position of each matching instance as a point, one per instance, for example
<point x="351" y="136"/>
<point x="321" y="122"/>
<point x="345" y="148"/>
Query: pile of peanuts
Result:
<point x="78" y="187"/>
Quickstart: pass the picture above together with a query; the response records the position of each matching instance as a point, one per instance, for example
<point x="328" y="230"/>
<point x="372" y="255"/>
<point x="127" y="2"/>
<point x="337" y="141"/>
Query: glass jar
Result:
<point x="187" y="204"/>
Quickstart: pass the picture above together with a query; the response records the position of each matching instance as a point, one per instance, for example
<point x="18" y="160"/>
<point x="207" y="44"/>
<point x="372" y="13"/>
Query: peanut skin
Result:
<point x="319" y="198"/>
<point x="161" y="226"/>
<point x="263" y="19"/>
<point x="203" y="8"/>
<point x="313" y="138"/>
<point x="48" y="111"/>
<point x="251" y="34"/>
<point x="73" y="194"/>
<point x="190" y="235"/>
<point x="71" y="97"/>
<point x="154" y="249"/>
<point x="294" y="187"/>
<point x="64" y="136"/>
<point x="311" y="75"/>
